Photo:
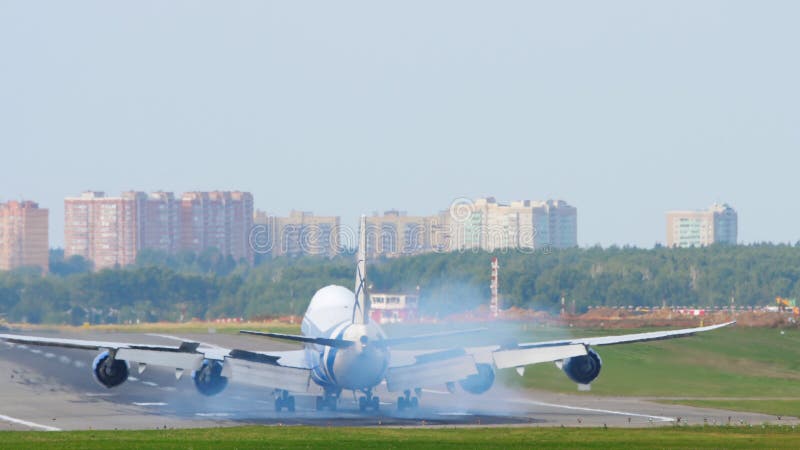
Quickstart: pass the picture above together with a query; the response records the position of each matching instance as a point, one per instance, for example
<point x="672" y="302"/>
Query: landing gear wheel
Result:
<point x="284" y="400"/>
<point x="407" y="401"/>
<point x="369" y="401"/>
<point x="328" y="401"/>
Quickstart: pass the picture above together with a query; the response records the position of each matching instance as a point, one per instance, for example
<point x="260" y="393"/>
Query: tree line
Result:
<point x="210" y="285"/>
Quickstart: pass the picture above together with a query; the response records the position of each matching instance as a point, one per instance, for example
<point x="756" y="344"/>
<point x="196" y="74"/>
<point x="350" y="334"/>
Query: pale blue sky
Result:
<point x="623" y="108"/>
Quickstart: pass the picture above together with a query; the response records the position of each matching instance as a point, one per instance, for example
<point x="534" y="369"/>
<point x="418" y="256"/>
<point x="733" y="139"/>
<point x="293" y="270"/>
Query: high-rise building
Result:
<point x="301" y="233"/>
<point x="489" y="225"/>
<point x="716" y="225"/>
<point x="110" y="231"/>
<point x="562" y="224"/>
<point x="23" y="236"/>
<point x="161" y="222"/>
<point x="105" y="230"/>
<point x="221" y="220"/>
<point x="395" y="233"/>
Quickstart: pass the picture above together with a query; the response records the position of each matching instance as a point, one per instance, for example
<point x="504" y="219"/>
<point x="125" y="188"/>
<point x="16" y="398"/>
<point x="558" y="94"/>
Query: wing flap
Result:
<point x="430" y="373"/>
<point x="338" y="343"/>
<point x="523" y="356"/>
<point x="265" y="374"/>
<point x="81" y="344"/>
<point x="177" y="360"/>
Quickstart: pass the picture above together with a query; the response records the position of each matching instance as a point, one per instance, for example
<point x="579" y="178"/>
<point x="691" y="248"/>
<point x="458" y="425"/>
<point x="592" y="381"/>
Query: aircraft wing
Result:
<point x="629" y="338"/>
<point x="416" y="369"/>
<point x="287" y="370"/>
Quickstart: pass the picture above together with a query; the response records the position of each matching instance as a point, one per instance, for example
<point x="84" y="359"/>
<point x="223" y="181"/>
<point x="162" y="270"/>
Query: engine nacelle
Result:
<point x="479" y="382"/>
<point x="108" y="371"/>
<point x="583" y="369"/>
<point x="208" y="378"/>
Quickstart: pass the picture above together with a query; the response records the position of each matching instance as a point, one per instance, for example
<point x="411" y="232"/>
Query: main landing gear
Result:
<point x="369" y="401"/>
<point x="284" y="400"/>
<point x="407" y="401"/>
<point x="329" y="400"/>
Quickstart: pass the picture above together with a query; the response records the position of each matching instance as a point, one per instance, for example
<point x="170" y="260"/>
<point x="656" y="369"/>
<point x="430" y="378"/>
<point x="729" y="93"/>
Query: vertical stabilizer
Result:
<point x="360" y="310"/>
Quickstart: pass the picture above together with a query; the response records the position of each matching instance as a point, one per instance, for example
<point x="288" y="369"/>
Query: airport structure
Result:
<point x="23" y="236"/>
<point x="110" y="231"/>
<point x="301" y="233"/>
<point x="489" y="225"/>
<point x="393" y="308"/>
<point x="716" y="225"/>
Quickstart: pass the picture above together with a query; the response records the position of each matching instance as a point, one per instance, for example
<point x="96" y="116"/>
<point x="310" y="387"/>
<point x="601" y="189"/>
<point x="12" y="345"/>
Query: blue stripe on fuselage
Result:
<point x="332" y="357"/>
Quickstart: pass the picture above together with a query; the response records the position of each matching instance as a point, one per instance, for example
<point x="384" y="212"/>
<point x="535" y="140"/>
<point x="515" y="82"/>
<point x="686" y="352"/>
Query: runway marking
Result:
<point x="28" y="424"/>
<point x="433" y="391"/>
<point x="604" y="411"/>
<point x="149" y="403"/>
<point x="213" y="414"/>
<point x="150" y="383"/>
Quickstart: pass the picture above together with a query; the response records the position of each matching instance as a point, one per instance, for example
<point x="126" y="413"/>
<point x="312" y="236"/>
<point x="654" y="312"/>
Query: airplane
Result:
<point x="345" y="351"/>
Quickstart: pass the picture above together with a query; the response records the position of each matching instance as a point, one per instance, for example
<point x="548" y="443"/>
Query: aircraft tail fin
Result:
<point x="360" y="309"/>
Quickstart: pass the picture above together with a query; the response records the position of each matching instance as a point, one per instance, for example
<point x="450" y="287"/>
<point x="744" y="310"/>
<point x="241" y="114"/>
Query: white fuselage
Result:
<point x="359" y="367"/>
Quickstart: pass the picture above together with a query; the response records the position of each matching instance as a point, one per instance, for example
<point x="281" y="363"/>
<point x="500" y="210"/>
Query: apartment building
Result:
<point x="698" y="228"/>
<point x="218" y="219"/>
<point x="300" y="233"/>
<point x="23" y="236"/>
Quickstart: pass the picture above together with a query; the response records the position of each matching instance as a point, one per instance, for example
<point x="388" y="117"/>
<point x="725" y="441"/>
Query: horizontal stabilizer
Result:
<point x="423" y="337"/>
<point x="338" y="343"/>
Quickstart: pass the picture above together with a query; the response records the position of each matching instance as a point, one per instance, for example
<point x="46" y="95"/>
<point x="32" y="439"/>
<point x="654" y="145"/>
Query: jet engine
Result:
<point x="480" y="382"/>
<point x="208" y="378"/>
<point x="583" y="369"/>
<point x="108" y="371"/>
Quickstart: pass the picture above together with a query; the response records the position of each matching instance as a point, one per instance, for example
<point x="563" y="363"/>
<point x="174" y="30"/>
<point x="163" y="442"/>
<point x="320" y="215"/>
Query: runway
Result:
<point x="52" y="389"/>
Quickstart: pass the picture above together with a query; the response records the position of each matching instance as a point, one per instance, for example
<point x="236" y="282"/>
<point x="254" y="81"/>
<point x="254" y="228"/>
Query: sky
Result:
<point x="625" y="109"/>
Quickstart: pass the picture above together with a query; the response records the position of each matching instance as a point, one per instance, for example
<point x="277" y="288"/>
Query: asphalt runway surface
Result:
<point x="48" y="388"/>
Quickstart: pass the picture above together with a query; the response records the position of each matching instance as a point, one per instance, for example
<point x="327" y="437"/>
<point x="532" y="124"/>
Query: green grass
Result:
<point x="312" y="437"/>
<point x="775" y="407"/>
<point x="741" y="369"/>
<point x="732" y="362"/>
